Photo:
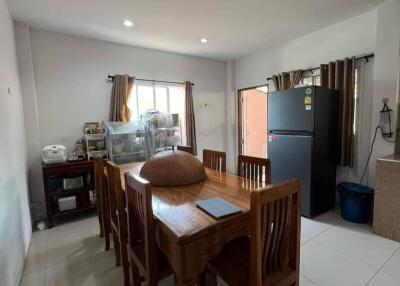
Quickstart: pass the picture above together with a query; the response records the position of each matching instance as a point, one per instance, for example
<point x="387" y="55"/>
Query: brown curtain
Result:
<point x="121" y="90"/>
<point x="287" y="80"/>
<point x="190" y="122"/>
<point x="339" y="75"/>
<point x="397" y="134"/>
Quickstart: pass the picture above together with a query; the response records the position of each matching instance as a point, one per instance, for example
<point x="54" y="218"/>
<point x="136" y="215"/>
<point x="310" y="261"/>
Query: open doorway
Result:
<point x="253" y="106"/>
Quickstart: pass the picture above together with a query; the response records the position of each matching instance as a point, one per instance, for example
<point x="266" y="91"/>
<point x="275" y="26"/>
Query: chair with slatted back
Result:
<point x="271" y="255"/>
<point x="146" y="260"/>
<point x="187" y="149"/>
<point x="254" y="168"/>
<point x="98" y="184"/>
<point x="102" y="201"/>
<point x="214" y="160"/>
<point x="118" y="217"/>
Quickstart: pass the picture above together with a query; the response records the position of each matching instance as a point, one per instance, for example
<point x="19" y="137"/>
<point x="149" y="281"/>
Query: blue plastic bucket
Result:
<point x="355" y="202"/>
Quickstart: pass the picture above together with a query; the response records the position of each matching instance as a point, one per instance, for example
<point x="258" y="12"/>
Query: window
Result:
<point x="359" y="75"/>
<point x="169" y="98"/>
<point x="311" y="78"/>
<point x="314" y="78"/>
<point x="356" y="101"/>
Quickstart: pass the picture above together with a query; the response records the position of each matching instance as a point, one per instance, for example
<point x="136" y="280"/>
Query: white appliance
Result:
<point x="67" y="203"/>
<point x="72" y="183"/>
<point x="54" y="154"/>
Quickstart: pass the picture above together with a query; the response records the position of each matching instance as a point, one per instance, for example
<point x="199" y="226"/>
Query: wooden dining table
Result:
<point x="189" y="237"/>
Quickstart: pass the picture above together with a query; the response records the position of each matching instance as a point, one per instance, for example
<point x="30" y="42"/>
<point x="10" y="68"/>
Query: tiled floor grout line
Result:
<point x="359" y="260"/>
<point x="383" y="265"/>
<point x="310" y="280"/>
<point x="26" y="259"/>
<point x="307" y="241"/>
<point x="313" y="237"/>
<point x="47" y="253"/>
<point x="330" y="227"/>
<point x="76" y="259"/>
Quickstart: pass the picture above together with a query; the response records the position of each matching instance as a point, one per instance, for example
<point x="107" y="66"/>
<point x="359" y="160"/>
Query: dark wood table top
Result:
<point x="175" y="207"/>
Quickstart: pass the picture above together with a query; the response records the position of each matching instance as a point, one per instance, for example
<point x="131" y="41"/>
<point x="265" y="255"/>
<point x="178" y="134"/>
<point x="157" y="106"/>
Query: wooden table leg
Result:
<point x="187" y="283"/>
<point x="186" y="263"/>
<point x="199" y="281"/>
<point x="188" y="259"/>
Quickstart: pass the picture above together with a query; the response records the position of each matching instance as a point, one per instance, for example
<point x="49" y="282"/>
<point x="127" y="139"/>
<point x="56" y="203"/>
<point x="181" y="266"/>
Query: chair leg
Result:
<point x="107" y="239"/>
<point x="135" y="274"/>
<point x="295" y="283"/>
<point x="117" y="249"/>
<point x="101" y="226"/>
<point x="209" y="277"/>
<point x="106" y="222"/>
<point x="100" y="216"/>
<point x="107" y="231"/>
<point x="201" y="280"/>
<point x="152" y="281"/>
<point x="125" y="262"/>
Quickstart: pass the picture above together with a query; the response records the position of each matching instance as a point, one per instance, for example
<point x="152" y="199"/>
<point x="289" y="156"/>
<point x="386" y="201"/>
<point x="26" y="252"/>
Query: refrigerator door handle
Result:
<point x="291" y="132"/>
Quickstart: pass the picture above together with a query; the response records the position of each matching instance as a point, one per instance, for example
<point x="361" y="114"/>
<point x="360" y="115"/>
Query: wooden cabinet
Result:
<point x="53" y="178"/>
<point x="387" y="198"/>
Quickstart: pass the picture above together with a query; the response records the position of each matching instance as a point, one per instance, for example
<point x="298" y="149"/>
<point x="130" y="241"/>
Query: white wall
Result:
<point x="351" y="37"/>
<point x="385" y="75"/>
<point x="377" y="31"/>
<point x="15" y="225"/>
<point x="70" y="77"/>
<point x="32" y="129"/>
<point x="355" y="36"/>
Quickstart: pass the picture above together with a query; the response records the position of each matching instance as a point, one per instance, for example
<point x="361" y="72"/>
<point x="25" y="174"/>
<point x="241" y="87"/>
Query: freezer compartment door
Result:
<point x="291" y="157"/>
<point x="291" y="110"/>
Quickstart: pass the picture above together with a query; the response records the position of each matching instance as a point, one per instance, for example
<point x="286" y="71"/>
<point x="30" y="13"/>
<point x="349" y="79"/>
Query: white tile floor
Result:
<point x="333" y="252"/>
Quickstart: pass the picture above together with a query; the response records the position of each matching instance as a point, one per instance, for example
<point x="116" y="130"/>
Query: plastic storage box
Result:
<point x="127" y="142"/>
<point x="67" y="203"/>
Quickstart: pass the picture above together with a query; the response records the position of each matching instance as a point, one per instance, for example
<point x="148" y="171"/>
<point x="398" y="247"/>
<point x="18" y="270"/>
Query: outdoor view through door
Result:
<point x="253" y="109"/>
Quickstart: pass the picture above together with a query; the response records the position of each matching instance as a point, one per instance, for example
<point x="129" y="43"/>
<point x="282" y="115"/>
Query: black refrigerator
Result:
<point x="302" y="141"/>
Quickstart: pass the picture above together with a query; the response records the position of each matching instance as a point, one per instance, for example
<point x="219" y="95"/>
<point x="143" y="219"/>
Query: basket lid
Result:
<point x="173" y="168"/>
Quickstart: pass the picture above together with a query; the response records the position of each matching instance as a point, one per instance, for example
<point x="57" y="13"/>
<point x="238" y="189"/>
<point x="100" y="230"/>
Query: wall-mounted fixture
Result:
<point x="385" y="121"/>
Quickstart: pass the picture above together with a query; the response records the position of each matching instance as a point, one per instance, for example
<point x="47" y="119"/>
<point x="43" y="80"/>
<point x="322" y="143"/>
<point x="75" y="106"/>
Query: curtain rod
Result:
<point x="111" y="77"/>
<point x="366" y="57"/>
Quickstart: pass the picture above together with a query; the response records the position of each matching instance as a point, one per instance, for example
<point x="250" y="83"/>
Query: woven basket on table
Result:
<point x="173" y="168"/>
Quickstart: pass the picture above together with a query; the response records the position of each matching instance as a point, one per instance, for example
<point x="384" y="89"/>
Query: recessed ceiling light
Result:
<point x="128" y="23"/>
<point x="204" y="40"/>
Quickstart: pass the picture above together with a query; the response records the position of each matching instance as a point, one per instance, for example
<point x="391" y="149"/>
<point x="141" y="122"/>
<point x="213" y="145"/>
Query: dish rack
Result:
<point x="164" y="129"/>
<point x="95" y="145"/>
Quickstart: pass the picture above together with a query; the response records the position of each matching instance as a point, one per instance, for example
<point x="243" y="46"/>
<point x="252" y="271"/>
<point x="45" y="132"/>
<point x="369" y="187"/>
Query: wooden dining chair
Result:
<point x="214" y="160"/>
<point x="272" y="253"/>
<point x="254" y="168"/>
<point x="147" y="262"/>
<point x="102" y="201"/>
<point x="187" y="149"/>
<point x="98" y="185"/>
<point x="118" y="217"/>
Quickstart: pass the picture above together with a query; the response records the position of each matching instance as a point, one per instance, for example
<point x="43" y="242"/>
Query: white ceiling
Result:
<point x="233" y="27"/>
